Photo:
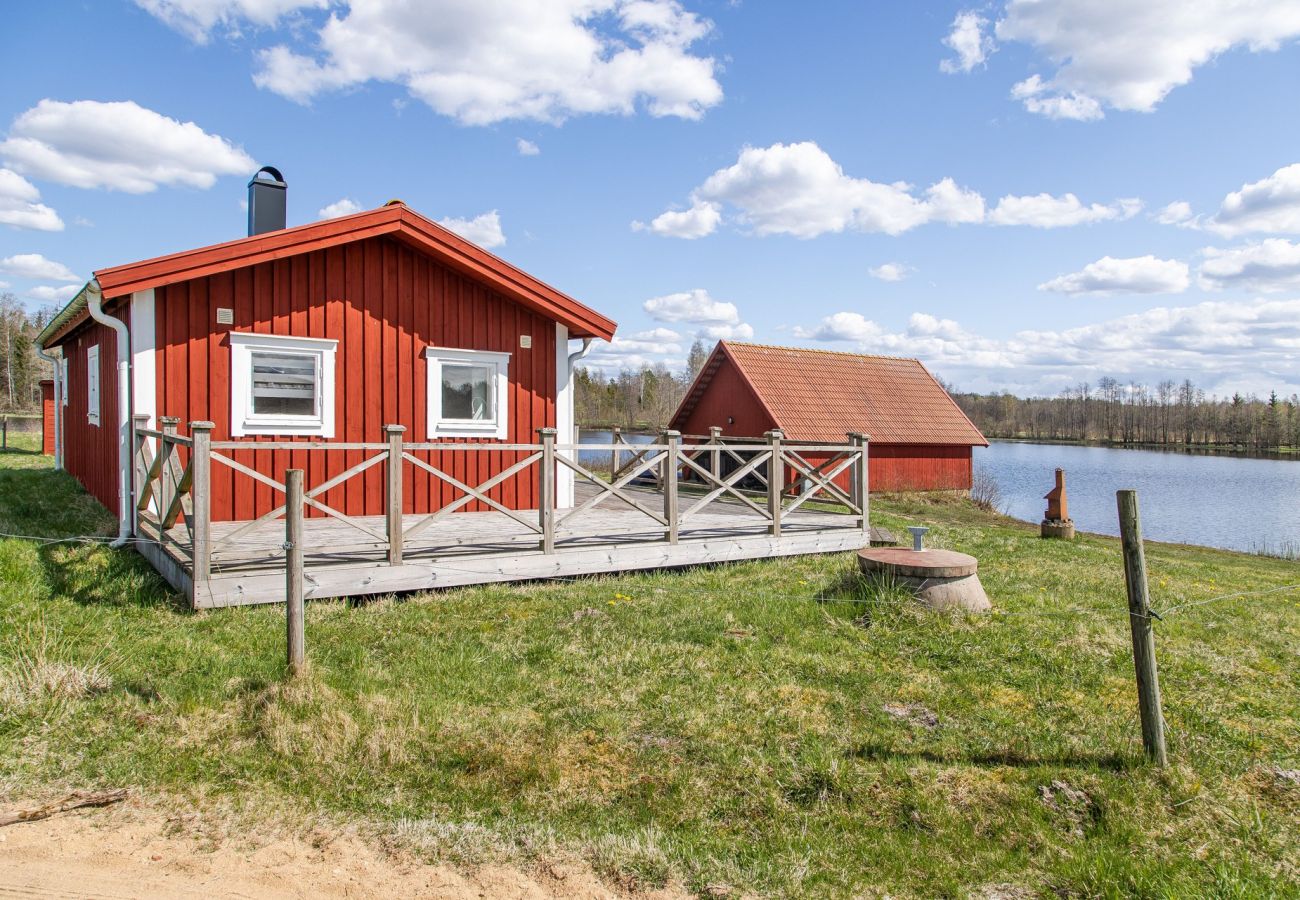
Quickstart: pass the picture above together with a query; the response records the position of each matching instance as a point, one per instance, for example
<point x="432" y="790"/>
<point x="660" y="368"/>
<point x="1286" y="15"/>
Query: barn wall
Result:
<point x="47" y="418"/>
<point x="384" y="303"/>
<point x="911" y="467"/>
<point x="90" y="451"/>
<point x="728" y="395"/>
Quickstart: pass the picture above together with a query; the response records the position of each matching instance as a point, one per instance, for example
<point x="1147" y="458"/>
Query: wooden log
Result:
<point x="670" y="464"/>
<point x="546" y="490"/>
<point x="1139" y="617"/>
<point x="293" y="572"/>
<point x="201" y="486"/>
<point x="775" y="482"/>
<point x="393" y="506"/>
<point x="77" y="800"/>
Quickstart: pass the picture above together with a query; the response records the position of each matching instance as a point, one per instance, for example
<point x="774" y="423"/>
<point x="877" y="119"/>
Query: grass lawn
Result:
<point x="779" y="727"/>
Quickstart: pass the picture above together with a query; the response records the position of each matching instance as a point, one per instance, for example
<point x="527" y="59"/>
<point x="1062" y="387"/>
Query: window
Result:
<point x="92" y="384"/>
<point x="468" y="391"/>
<point x="281" y="385"/>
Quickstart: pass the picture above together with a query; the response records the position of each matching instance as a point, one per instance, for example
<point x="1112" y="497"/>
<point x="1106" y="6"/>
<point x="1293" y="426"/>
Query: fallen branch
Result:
<point x="75" y="800"/>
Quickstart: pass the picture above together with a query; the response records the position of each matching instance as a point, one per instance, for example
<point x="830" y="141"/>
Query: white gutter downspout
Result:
<point x="94" y="300"/>
<point x="573" y="361"/>
<point x="57" y="362"/>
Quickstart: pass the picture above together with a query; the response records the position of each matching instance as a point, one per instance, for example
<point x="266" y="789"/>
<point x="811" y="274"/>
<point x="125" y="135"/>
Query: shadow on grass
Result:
<point x="1112" y="762"/>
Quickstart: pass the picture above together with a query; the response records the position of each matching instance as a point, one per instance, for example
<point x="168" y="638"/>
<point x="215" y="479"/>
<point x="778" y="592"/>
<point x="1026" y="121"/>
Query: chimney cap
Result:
<point x="276" y="178"/>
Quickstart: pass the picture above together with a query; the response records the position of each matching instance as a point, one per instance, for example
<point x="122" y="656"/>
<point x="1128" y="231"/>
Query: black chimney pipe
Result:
<point x="266" y="201"/>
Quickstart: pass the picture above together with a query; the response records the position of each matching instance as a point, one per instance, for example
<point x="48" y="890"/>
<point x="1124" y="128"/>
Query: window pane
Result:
<point x="284" y="384"/>
<point x="467" y="392"/>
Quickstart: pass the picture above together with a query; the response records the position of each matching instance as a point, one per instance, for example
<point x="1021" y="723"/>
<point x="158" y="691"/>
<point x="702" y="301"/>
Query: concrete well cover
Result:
<point x="918" y="563"/>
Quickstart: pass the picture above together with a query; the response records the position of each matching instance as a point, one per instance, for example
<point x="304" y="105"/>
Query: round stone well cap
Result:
<point x="917" y="563"/>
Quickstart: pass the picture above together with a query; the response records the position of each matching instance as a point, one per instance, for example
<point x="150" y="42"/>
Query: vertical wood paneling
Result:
<point x="384" y="303"/>
<point x="90" y="451"/>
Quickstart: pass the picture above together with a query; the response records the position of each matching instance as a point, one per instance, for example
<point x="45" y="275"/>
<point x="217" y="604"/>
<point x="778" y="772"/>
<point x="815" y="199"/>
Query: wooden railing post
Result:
<point x="1139" y="618"/>
<point x="860" y="492"/>
<point x="294" y="613"/>
<point x="546" y="491"/>
<point x="201" y="487"/>
<point x="138" y="421"/>
<point x="614" y="438"/>
<point x="715" y="455"/>
<point x="393" y="505"/>
<point x="670" y="464"/>
<point x="775" y="482"/>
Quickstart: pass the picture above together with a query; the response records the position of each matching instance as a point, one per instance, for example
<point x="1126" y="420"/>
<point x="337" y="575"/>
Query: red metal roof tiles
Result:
<point x="819" y="395"/>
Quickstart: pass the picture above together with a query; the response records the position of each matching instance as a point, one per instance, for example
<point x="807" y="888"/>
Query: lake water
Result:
<point x="1217" y="501"/>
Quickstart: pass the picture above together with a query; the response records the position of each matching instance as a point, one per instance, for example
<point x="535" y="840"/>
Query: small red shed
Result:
<point x="327" y="331"/>
<point x="920" y="439"/>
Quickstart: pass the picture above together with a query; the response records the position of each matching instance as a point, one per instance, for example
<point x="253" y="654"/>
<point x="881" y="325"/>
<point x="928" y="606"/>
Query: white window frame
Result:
<point x="499" y="426"/>
<point x="93" y="384"/>
<point x="243" y="421"/>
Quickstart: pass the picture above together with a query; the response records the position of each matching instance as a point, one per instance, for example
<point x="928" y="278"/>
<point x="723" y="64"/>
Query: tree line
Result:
<point x="642" y="399"/>
<point x="1113" y="412"/>
<point x="21" y="370"/>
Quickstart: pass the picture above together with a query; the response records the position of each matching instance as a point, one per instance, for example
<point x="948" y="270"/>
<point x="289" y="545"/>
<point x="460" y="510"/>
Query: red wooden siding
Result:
<point x="729" y="396"/>
<point x="910" y="467"/>
<point x="90" y="451"/>
<point x="384" y="303"/>
<point x="47" y="417"/>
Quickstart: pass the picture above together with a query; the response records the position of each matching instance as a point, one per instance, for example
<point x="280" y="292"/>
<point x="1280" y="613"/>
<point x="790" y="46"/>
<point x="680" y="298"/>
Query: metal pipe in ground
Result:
<point x="293" y="572"/>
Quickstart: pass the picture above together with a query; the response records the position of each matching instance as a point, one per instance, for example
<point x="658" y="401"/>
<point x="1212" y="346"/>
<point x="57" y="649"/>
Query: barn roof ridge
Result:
<point x="825" y="350"/>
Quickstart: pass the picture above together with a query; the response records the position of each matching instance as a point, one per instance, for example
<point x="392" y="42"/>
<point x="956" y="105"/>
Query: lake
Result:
<point x="1232" y="502"/>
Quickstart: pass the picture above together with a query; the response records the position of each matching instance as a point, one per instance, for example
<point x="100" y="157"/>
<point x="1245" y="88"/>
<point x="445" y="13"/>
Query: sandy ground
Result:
<point x="131" y="851"/>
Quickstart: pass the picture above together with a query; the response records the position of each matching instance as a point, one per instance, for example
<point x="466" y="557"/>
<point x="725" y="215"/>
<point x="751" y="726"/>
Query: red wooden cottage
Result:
<point x="325" y="331"/>
<point x="920" y="439"/>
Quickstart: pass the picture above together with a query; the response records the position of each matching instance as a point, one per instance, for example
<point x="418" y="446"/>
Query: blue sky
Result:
<point x="986" y="187"/>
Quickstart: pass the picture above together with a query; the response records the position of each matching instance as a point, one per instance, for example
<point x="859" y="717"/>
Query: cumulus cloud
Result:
<point x="1271" y="265"/>
<point x="1177" y="213"/>
<point x="48" y="294"/>
<point x="713" y="319"/>
<point x="20" y="206"/>
<point x="968" y="40"/>
<point x="1270" y="204"/>
<point x="343" y="207"/>
<point x="1047" y="211"/>
<point x="488" y="61"/>
<point x="197" y="19"/>
<point x="1129" y="56"/>
<point x="890" y="271"/>
<point x="799" y="190"/>
<point x="1136" y="275"/>
<point x="37" y="268"/>
<point x="119" y="146"/>
<point x="484" y="230"/>
<point x="527" y="148"/>
<point x="1212" y="342"/>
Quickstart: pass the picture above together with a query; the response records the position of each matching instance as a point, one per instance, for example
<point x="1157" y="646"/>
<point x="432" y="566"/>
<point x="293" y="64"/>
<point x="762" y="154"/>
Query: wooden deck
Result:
<point x="482" y="547"/>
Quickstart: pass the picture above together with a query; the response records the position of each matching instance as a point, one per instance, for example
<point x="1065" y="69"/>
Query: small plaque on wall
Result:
<point x="225" y="316"/>
<point x="525" y="341"/>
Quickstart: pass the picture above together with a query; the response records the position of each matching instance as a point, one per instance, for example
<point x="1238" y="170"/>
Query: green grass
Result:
<point x="762" y="725"/>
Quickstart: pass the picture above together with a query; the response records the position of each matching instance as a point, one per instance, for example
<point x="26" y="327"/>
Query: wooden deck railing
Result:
<point x="174" y="484"/>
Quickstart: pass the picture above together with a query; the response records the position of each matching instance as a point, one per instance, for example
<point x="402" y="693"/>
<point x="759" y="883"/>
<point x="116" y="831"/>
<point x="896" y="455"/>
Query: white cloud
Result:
<point x="968" y="40"/>
<point x="494" y="60"/>
<point x="890" y="271"/>
<point x="799" y="190"/>
<point x="1223" y="346"/>
<point x="1046" y="211"/>
<point x="1177" y="213"/>
<point x="19" y="205"/>
<point x="4" y="285"/>
<point x="198" y="18"/>
<point x="1136" y="275"/>
<point x="1270" y="204"/>
<point x="713" y="319"/>
<point x="120" y="146"/>
<point x="700" y="220"/>
<point x="484" y="230"/>
<point x="342" y="207"/>
<point x="527" y="148"/>
<point x="37" y="267"/>
<point x="1271" y="265"/>
<point x="1128" y="55"/>
<point x="47" y="294"/>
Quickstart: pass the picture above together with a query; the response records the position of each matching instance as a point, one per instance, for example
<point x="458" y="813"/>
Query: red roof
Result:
<point x="820" y="395"/>
<point x="395" y="220"/>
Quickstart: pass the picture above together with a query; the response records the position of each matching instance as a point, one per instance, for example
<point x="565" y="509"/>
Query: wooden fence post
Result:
<point x="166" y="484"/>
<point x="1139" y="618"/>
<point x="546" y="492"/>
<point x="614" y="438"/>
<point x="201" y="487"/>
<point x="4" y="432"/>
<point x="861" y="473"/>
<point x="672" y="439"/>
<point x="715" y="455"/>
<point x="775" y="482"/>
<point x="138" y="421"/>
<point x="294" y="613"/>
<point x="393" y="506"/>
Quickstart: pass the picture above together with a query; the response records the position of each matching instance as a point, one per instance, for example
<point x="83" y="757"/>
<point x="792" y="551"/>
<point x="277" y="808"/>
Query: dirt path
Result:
<point x="130" y="853"/>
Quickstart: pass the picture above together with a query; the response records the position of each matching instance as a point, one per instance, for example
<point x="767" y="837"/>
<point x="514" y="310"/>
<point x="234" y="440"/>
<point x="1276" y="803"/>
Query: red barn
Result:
<point x="325" y="331"/>
<point x="920" y="439"/>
